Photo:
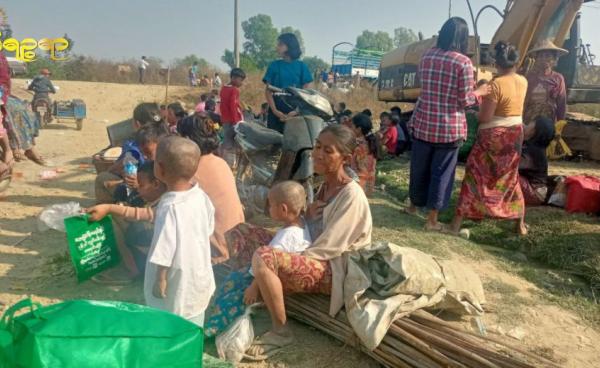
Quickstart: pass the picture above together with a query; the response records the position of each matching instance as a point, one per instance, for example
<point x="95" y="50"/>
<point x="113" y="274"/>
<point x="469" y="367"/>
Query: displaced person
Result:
<point x="132" y="234"/>
<point x="217" y="83"/>
<point x="216" y="179"/>
<point x="5" y="84"/>
<point x="287" y="202"/>
<point x="194" y="74"/>
<point x="438" y="124"/>
<point x="388" y="133"/>
<point x="231" y="112"/>
<point x="178" y="276"/>
<point x="146" y="139"/>
<point x="490" y="187"/>
<point x="201" y="106"/>
<point x="7" y="160"/>
<point x="339" y="221"/>
<point x="175" y="112"/>
<point x="533" y="167"/>
<point x="366" y="153"/>
<point x="142" y="68"/>
<point x="23" y="128"/>
<point x="289" y="71"/>
<point x="105" y="184"/>
<point x="547" y="93"/>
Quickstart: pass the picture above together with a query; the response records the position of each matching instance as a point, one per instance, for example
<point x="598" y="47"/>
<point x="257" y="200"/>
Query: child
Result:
<point x="366" y="153"/>
<point x="231" y="110"/>
<point x="146" y="139"/>
<point x="106" y="182"/>
<point x="175" y="112"/>
<point x="179" y="276"/>
<point x="287" y="200"/>
<point x="134" y="237"/>
<point x="202" y="104"/>
<point x="388" y="133"/>
<point x="138" y="235"/>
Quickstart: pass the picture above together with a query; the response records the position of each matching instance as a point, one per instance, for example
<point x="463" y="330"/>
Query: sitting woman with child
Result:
<point x="339" y="221"/>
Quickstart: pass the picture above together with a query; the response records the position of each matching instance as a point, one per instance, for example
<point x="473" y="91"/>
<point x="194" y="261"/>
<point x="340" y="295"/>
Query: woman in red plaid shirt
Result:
<point x="439" y="125"/>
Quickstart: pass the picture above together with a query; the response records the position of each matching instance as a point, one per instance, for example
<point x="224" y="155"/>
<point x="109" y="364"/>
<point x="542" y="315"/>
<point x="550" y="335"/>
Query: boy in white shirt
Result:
<point x="179" y="276"/>
<point x="287" y="201"/>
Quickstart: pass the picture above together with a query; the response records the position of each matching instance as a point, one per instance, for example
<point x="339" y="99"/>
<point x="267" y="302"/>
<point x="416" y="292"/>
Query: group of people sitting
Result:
<point x="180" y="213"/>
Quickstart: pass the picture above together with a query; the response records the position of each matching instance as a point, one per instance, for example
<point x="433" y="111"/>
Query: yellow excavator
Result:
<point x="525" y="22"/>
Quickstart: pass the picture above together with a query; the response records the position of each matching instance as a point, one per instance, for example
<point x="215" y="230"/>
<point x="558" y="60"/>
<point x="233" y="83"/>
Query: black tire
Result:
<point x="79" y="123"/>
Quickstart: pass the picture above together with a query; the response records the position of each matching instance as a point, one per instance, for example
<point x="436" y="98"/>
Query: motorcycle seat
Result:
<point x="258" y="135"/>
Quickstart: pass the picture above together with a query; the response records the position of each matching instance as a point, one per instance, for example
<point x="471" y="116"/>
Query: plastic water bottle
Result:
<point x="129" y="167"/>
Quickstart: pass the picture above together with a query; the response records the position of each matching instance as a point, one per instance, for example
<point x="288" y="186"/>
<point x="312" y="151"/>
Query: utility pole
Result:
<point x="236" y="40"/>
<point x="449" y="9"/>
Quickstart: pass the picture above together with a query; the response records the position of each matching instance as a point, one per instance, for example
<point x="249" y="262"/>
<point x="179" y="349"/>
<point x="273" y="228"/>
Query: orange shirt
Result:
<point x="216" y="179"/>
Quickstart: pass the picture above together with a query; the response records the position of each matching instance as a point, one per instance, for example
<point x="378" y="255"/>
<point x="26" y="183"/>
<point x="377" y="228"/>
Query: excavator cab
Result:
<point x="581" y="75"/>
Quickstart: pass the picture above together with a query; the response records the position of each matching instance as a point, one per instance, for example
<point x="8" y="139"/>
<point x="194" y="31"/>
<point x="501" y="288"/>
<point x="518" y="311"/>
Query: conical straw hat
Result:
<point x="547" y="45"/>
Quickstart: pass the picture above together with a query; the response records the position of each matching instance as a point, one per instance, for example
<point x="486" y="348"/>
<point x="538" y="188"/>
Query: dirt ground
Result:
<point x="34" y="263"/>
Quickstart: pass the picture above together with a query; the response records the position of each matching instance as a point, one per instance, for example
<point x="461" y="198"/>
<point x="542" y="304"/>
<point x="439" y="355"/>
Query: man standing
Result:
<point x="142" y="68"/>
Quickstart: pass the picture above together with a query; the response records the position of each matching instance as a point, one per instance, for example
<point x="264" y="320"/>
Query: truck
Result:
<point x="364" y="62"/>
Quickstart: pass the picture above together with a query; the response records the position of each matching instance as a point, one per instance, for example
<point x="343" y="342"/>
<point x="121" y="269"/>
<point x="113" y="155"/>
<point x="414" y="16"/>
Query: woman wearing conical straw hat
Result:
<point x="547" y="93"/>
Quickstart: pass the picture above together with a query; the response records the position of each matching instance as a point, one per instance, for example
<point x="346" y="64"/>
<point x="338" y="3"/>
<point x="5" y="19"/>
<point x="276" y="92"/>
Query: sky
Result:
<point x="122" y="29"/>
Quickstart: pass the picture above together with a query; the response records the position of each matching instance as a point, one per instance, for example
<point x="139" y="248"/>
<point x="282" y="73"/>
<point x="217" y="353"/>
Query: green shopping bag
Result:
<point x="85" y="333"/>
<point x="92" y="245"/>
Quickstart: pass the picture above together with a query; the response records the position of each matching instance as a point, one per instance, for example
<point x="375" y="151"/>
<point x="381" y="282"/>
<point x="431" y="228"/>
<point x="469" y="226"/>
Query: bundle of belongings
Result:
<point x="385" y="282"/>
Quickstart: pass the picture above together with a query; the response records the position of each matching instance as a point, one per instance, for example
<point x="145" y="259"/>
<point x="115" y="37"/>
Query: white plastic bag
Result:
<point x="559" y="196"/>
<point x="53" y="216"/>
<point x="233" y="342"/>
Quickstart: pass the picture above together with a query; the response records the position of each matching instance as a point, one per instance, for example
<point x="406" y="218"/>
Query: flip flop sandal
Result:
<point x="278" y="345"/>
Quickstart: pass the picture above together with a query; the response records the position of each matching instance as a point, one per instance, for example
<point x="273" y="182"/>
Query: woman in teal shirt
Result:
<point x="289" y="71"/>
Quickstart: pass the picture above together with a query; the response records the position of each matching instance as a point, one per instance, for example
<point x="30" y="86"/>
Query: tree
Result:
<point x="261" y="38"/>
<point x="189" y="60"/>
<point x="404" y="36"/>
<point x="315" y="64"/>
<point x="376" y="41"/>
<point x="246" y="62"/>
<point x="289" y="29"/>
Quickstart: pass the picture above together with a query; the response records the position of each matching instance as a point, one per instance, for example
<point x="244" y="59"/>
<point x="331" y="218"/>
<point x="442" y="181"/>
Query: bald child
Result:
<point x="179" y="276"/>
<point x="287" y="201"/>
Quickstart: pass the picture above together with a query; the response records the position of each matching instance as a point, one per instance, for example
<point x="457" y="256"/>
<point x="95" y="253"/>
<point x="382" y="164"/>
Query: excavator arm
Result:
<point x="529" y="21"/>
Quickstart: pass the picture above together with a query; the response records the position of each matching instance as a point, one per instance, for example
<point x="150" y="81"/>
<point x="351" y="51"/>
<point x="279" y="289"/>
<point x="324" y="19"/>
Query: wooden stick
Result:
<point x="447" y="345"/>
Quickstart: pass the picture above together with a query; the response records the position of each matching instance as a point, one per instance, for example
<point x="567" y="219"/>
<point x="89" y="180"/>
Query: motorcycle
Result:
<point x="41" y="106"/>
<point x="266" y="156"/>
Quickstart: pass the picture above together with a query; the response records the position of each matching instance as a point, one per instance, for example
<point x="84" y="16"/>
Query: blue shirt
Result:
<point x="132" y="147"/>
<point x="284" y="74"/>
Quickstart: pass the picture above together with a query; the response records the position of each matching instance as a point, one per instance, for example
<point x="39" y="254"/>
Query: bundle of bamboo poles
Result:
<point x="420" y="340"/>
